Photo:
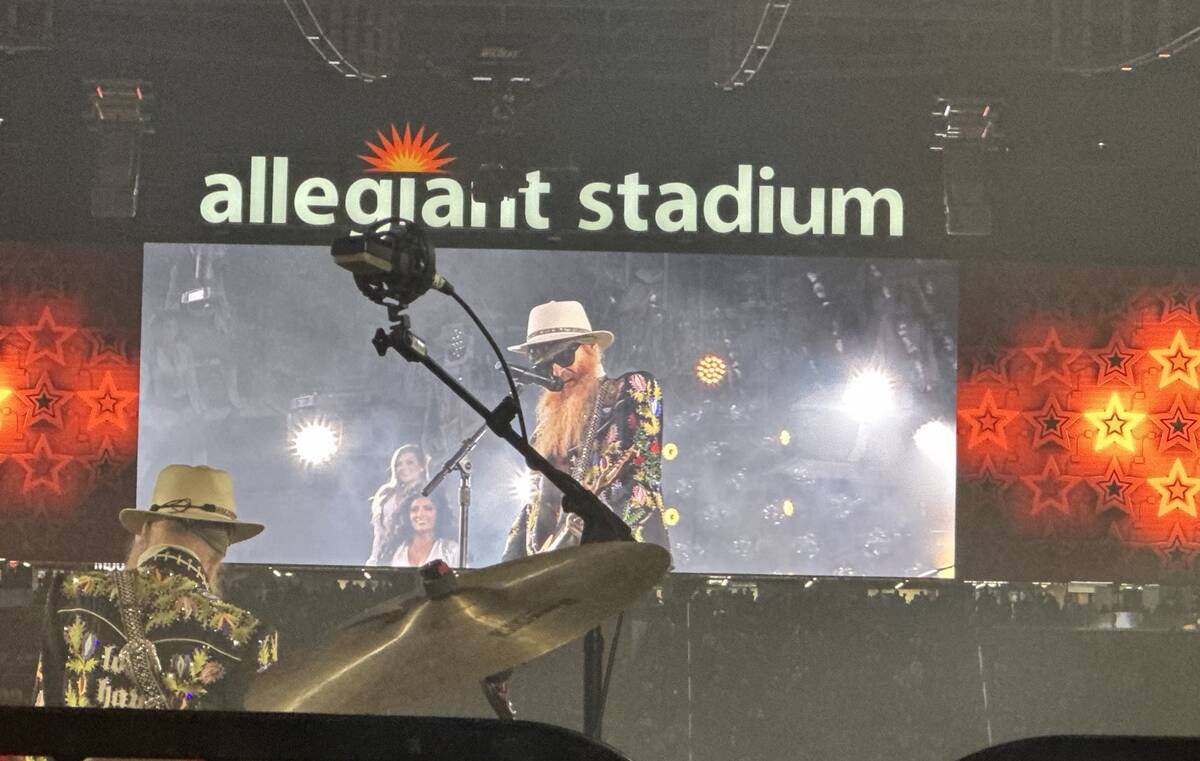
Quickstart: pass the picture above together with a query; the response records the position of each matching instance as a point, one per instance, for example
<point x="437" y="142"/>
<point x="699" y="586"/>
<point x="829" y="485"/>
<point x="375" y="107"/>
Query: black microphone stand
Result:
<point x="460" y="461"/>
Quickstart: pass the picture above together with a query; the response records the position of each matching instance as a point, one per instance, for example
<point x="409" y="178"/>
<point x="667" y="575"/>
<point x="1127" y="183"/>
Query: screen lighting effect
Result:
<point x="671" y="517"/>
<point x="670" y="450"/>
<point x="315" y="442"/>
<point x="785" y="437"/>
<point x="711" y="369"/>
<point x="789" y="508"/>
<point x="524" y="486"/>
<point x="869" y="395"/>
<point x="936" y="441"/>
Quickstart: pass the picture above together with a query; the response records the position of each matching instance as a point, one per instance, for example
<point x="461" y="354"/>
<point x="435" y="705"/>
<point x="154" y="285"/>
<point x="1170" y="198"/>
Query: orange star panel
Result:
<point x="1078" y="456"/>
<point x="68" y="400"/>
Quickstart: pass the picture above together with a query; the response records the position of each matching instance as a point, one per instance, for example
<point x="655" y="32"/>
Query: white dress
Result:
<point x="442" y="549"/>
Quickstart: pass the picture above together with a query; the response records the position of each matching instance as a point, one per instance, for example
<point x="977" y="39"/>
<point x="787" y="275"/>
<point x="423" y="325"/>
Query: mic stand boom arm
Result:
<point x="600" y="524"/>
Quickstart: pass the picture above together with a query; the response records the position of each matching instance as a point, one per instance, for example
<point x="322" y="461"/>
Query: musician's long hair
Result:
<point x="392" y="485"/>
<point x="562" y="415"/>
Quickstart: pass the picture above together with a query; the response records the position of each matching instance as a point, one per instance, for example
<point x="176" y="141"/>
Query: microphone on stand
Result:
<point x="529" y="375"/>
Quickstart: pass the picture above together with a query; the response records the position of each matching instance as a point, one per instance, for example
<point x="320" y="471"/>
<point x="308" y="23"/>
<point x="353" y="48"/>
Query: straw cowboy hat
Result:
<point x="194" y="492"/>
<point x="558" y="321"/>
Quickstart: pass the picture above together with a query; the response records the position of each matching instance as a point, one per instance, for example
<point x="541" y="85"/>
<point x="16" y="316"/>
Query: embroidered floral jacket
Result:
<point x="208" y="649"/>
<point x="622" y="464"/>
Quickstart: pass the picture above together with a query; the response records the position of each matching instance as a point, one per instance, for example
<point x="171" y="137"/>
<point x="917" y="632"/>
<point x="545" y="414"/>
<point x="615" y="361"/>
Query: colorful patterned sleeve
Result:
<point x="640" y="481"/>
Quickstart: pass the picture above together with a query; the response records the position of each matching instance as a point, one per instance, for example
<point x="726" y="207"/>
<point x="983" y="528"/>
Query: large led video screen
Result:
<point x="803" y="408"/>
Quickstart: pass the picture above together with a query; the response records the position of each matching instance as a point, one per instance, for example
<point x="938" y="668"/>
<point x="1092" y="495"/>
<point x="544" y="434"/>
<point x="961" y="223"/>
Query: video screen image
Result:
<point x="1077" y="407"/>
<point x="790" y="415"/>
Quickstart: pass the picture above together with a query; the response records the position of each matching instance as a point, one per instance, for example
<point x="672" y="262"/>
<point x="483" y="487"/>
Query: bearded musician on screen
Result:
<point x="606" y="432"/>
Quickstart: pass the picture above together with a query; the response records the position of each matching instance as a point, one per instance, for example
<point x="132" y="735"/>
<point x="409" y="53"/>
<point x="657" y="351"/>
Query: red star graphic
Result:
<point x="1177" y="427"/>
<point x="1051" y="360"/>
<point x="42" y="467"/>
<point x="108" y="404"/>
<point x="1179" y="362"/>
<point x="988" y="362"/>
<point x="1115" y="489"/>
<point x="1050" y="488"/>
<point x="1177" y="490"/>
<point x="1178" y="301"/>
<point x="987" y="422"/>
<point x="1116" y="363"/>
<point x="46" y="339"/>
<point x="104" y="461"/>
<point x="1177" y="553"/>
<point x="989" y="477"/>
<point x="105" y="350"/>
<point x="1051" y="424"/>
<point x="45" y="401"/>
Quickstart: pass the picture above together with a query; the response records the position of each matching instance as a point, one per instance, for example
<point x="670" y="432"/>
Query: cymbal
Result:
<point x="399" y="653"/>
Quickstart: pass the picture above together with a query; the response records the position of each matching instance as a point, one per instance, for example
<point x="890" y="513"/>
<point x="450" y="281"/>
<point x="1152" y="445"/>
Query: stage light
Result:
<point x="670" y="450"/>
<point x="785" y="437"/>
<point x="869" y="395"/>
<point x="810" y="583"/>
<point x="789" y="508"/>
<point x="711" y="369"/>
<point x="315" y="442"/>
<point x="524" y="485"/>
<point x="936" y="441"/>
<point x="671" y="517"/>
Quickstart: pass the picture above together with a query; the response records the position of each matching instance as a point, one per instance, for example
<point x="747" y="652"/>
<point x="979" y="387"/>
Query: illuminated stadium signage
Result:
<point x="752" y="203"/>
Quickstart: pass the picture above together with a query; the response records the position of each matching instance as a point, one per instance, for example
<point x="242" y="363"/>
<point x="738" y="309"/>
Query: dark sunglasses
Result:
<point x="563" y="358"/>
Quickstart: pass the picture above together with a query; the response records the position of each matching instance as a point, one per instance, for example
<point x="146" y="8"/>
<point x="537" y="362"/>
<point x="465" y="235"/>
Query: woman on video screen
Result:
<point x="407" y="474"/>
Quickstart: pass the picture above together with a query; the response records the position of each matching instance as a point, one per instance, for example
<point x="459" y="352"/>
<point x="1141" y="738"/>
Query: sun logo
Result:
<point x="410" y="153"/>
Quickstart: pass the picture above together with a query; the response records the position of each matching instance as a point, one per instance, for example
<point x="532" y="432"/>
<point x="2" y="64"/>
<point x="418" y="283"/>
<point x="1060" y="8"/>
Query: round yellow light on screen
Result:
<point x="670" y="451"/>
<point x="671" y="516"/>
<point x="789" y="509"/>
<point x="785" y="437"/>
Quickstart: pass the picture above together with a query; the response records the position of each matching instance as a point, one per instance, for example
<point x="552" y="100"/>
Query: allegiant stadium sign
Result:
<point x="752" y="203"/>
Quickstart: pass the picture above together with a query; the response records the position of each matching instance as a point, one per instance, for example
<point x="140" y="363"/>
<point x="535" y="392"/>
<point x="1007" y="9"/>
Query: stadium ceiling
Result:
<point x="667" y="40"/>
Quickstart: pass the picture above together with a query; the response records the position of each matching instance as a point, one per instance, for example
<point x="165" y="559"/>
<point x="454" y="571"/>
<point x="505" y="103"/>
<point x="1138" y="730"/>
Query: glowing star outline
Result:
<point x="1176" y="551"/>
<point x="1050" y="424"/>
<point x="102" y="462"/>
<point x="1044" y="496"/>
<point x="47" y="476"/>
<point x="1179" y="362"/>
<point x="46" y="333"/>
<point x="1052" y="353"/>
<point x="989" y="477"/>
<point x="987" y="422"/>
<point x="108" y="404"/>
<point x="105" y="351"/>
<point x="1177" y="425"/>
<point x="410" y="153"/>
<point x="1116" y="363"/>
<point x="1178" y="301"/>
<point x="1114" y="488"/>
<point x="988" y="362"/>
<point x="45" y="401"/>
<point x="1177" y="490"/>
<point x="1114" y="424"/>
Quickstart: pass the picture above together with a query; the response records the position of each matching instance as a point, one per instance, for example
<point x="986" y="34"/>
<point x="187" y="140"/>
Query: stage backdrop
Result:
<point x="823" y="442"/>
<point x="1079" y="412"/>
<point x="68" y="399"/>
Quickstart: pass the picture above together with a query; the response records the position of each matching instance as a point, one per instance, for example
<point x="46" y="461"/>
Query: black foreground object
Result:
<point x="1092" y="748"/>
<point x="70" y="734"/>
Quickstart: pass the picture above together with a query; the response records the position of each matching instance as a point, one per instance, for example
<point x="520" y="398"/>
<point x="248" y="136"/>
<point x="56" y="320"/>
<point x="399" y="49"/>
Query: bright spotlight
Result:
<point x="711" y="369"/>
<point x="789" y="508"/>
<point x="670" y="450"/>
<point x="524" y="486"/>
<point x="869" y="395"/>
<point x="671" y="517"/>
<point x="315" y="442"/>
<point x="936" y="441"/>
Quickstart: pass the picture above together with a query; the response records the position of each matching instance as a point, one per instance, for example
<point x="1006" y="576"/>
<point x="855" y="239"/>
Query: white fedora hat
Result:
<point x="558" y="321"/>
<point x="194" y="493"/>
